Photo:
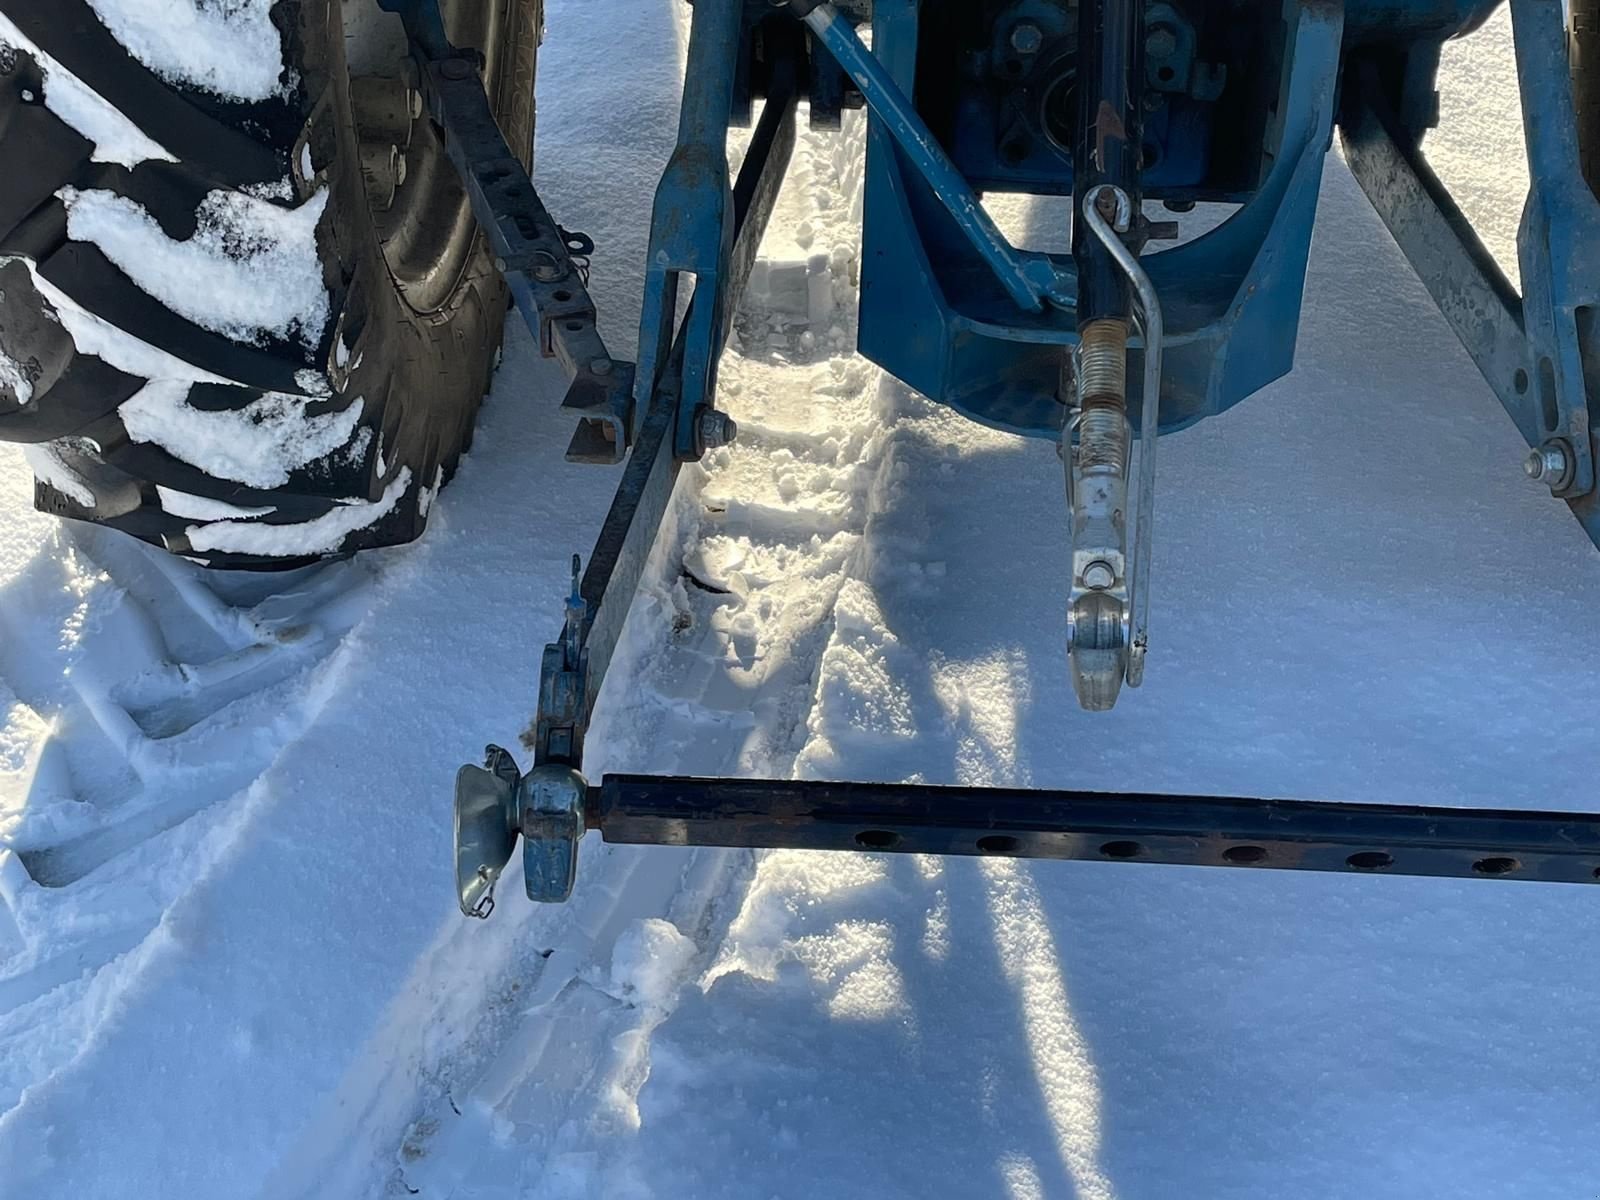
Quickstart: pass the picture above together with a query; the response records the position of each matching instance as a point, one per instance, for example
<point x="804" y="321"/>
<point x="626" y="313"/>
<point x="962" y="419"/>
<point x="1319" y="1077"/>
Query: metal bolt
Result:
<point x="545" y="267"/>
<point x="1551" y="464"/>
<point x="383" y="169"/>
<point x="1026" y="38"/>
<point x="716" y="428"/>
<point x="1099" y="575"/>
<point x="1160" y="43"/>
<point x="600" y="366"/>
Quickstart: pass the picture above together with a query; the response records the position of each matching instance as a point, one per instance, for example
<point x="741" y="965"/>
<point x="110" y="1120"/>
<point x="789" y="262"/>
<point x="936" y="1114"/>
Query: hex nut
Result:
<point x="1160" y="43"/>
<point x="716" y="428"/>
<point x="1551" y="464"/>
<point x="1026" y="38"/>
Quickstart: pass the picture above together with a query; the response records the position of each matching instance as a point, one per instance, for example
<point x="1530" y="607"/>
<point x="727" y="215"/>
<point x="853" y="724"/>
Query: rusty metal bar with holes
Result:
<point x="1218" y="831"/>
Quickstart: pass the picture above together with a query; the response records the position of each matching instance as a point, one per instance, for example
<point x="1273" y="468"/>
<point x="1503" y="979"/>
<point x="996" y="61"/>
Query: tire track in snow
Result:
<point x="315" y="979"/>
<point x="139" y="693"/>
<point x="717" y="676"/>
<point x="299" y="969"/>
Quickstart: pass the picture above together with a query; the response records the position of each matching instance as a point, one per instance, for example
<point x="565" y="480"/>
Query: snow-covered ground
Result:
<point x="230" y="961"/>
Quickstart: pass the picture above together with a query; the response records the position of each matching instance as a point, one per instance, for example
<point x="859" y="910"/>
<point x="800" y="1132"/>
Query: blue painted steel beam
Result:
<point x="1558" y="243"/>
<point x="1539" y="351"/>
<point x="692" y="225"/>
<point x="575" y="667"/>
<point x="1029" y="282"/>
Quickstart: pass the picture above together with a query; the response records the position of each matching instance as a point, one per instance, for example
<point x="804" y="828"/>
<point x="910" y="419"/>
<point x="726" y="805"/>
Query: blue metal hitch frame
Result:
<point x="1539" y="351"/>
<point x="952" y="308"/>
<point x="931" y="317"/>
<point x="1031" y="280"/>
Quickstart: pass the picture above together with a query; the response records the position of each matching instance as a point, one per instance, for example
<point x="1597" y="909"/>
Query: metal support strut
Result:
<point x="532" y="252"/>
<point x="1537" y="350"/>
<point x="548" y="807"/>
<point x="1030" y="280"/>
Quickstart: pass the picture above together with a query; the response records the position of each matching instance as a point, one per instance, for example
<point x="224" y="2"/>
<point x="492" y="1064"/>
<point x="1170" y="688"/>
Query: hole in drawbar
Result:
<point x="1520" y="382"/>
<point x="1498" y="865"/>
<point x="877" y="839"/>
<point x="563" y="295"/>
<point x="1166" y="74"/>
<point x="997" y="843"/>
<point x="574" y="326"/>
<point x="1370" y="860"/>
<point x="1122" y="849"/>
<point x="1244" y="854"/>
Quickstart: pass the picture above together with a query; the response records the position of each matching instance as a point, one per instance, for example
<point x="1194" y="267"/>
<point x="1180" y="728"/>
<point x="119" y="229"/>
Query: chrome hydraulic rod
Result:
<point x="1152" y="331"/>
<point x="1103" y="592"/>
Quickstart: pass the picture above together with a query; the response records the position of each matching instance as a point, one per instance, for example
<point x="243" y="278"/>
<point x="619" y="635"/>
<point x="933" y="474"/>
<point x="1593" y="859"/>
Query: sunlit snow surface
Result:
<point x="248" y="978"/>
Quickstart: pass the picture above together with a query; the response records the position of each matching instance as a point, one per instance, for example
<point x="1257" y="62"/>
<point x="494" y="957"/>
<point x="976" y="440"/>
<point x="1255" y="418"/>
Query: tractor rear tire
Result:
<point x="245" y="312"/>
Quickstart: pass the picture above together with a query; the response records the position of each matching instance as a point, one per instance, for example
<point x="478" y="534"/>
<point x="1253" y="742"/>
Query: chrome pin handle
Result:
<point x="1153" y="333"/>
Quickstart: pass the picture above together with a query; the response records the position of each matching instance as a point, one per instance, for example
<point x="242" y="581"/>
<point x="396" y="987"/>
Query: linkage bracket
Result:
<point x="548" y="806"/>
<point x="544" y="265"/>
